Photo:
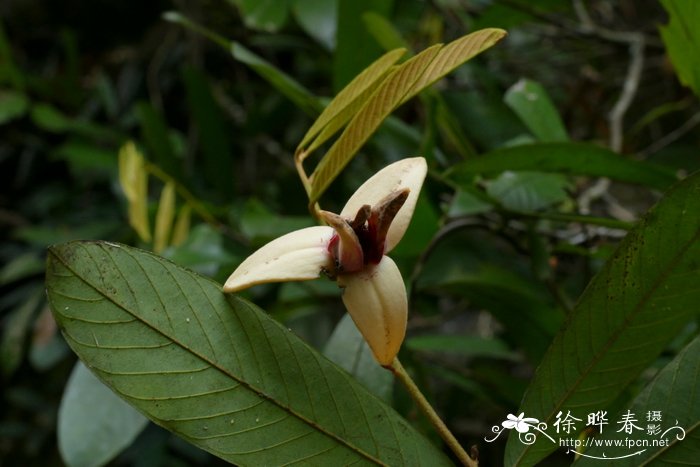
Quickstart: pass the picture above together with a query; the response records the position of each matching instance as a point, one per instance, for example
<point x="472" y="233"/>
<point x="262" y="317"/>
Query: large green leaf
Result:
<point x="215" y="369"/>
<point x="567" y="158"/>
<point x="407" y="80"/>
<point x="641" y="298"/>
<point x="682" y="39"/>
<point x="675" y="394"/>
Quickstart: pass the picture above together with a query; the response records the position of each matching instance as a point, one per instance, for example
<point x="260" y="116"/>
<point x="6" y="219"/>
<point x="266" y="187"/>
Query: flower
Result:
<point x="521" y="423"/>
<point x="352" y="249"/>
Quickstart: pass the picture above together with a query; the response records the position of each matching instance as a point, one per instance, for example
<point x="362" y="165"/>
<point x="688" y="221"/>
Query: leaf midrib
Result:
<point x="615" y="335"/>
<point x="244" y="383"/>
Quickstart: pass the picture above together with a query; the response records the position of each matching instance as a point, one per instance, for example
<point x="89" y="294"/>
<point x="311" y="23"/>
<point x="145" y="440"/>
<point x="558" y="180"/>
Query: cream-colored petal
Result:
<point x="376" y="300"/>
<point x="406" y="173"/>
<point x="296" y="256"/>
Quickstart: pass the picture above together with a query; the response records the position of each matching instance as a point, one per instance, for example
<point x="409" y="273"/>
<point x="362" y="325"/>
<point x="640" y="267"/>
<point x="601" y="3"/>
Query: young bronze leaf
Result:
<point x="384" y="100"/>
<point x="349" y="96"/>
<point x="455" y="54"/>
<point x="404" y="82"/>
<point x="641" y="298"/>
<point x="215" y="369"/>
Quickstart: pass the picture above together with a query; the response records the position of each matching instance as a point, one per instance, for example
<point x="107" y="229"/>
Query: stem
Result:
<point x="429" y="412"/>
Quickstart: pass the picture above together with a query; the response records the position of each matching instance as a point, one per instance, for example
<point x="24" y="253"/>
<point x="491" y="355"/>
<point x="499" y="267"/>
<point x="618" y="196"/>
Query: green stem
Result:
<point x="580" y="218"/>
<point x="429" y="412"/>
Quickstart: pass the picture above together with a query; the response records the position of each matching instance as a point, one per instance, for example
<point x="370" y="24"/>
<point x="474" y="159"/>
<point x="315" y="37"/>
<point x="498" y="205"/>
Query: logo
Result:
<point x="626" y="434"/>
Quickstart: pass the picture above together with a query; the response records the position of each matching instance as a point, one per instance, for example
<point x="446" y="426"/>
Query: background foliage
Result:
<point x="499" y="251"/>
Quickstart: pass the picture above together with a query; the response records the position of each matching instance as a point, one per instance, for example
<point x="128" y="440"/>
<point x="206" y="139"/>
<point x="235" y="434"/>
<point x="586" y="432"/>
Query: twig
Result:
<point x="671" y="137"/>
<point x="429" y="412"/>
<point x="636" y="43"/>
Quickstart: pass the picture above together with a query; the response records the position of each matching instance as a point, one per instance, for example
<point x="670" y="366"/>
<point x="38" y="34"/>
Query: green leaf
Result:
<point x="528" y="191"/>
<point x="278" y="79"/>
<point x="682" y="40"/>
<point x="265" y="15"/>
<point x="214" y="134"/>
<point x="565" y="158"/>
<point x="383" y="31"/>
<point x="355" y="48"/>
<point x="50" y="118"/>
<point x="344" y="105"/>
<point x="405" y="81"/>
<point x="94" y="425"/>
<point x="466" y="203"/>
<point x="469" y="346"/>
<point x="16" y="327"/>
<point x="675" y="393"/>
<point x="631" y="309"/>
<point x="13" y="105"/>
<point x="156" y="135"/>
<point x="319" y="19"/>
<point x="348" y="349"/>
<point x="215" y="369"/>
<point x="529" y="100"/>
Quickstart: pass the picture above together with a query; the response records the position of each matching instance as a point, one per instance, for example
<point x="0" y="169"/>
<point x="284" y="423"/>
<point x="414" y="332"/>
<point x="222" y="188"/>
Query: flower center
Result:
<point x="362" y="240"/>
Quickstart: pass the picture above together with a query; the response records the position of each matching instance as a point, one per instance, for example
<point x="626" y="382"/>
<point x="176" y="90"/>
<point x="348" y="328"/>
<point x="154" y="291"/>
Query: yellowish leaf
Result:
<point x="353" y="95"/>
<point x="182" y="225"/>
<point x="133" y="179"/>
<point x="365" y="122"/>
<point x="164" y="217"/>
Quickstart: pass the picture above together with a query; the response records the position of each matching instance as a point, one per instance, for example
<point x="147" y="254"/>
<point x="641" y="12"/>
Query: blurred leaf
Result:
<point x="468" y="346"/>
<point x="355" y="47"/>
<point x="260" y="396"/>
<point x="682" y="40"/>
<point x="565" y="158"/>
<point x="50" y="118"/>
<point x="278" y="79"/>
<point x="203" y="251"/>
<point x="83" y="156"/>
<point x="21" y="267"/>
<point x="94" y="425"/>
<point x="386" y="35"/>
<point x="10" y="73"/>
<point x="630" y="310"/>
<point x="264" y="15"/>
<point x="156" y="136"/>
<point x="529" y="100"/>
<point x="261" y="225"/>
<point x="16" y="328"/>
<point x="348" y="101"/>
<point x="528" y="191"/>
<point x="13" y="105"/>
<point x="319" y="19"/>
<point x="164" y="218"/>
<point x="465" y="203"/>
<point x="529" y="323"/>
<point x="214" y="136"/>
<point x="675" y="392"/>
<point x="47" y="347"/>
<point x="182" y="225"/>
<point x="133" y="179"/>
<point x="349" y="350"/>
<point x="424" y="224"/>
<point x="406" y="80"/>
